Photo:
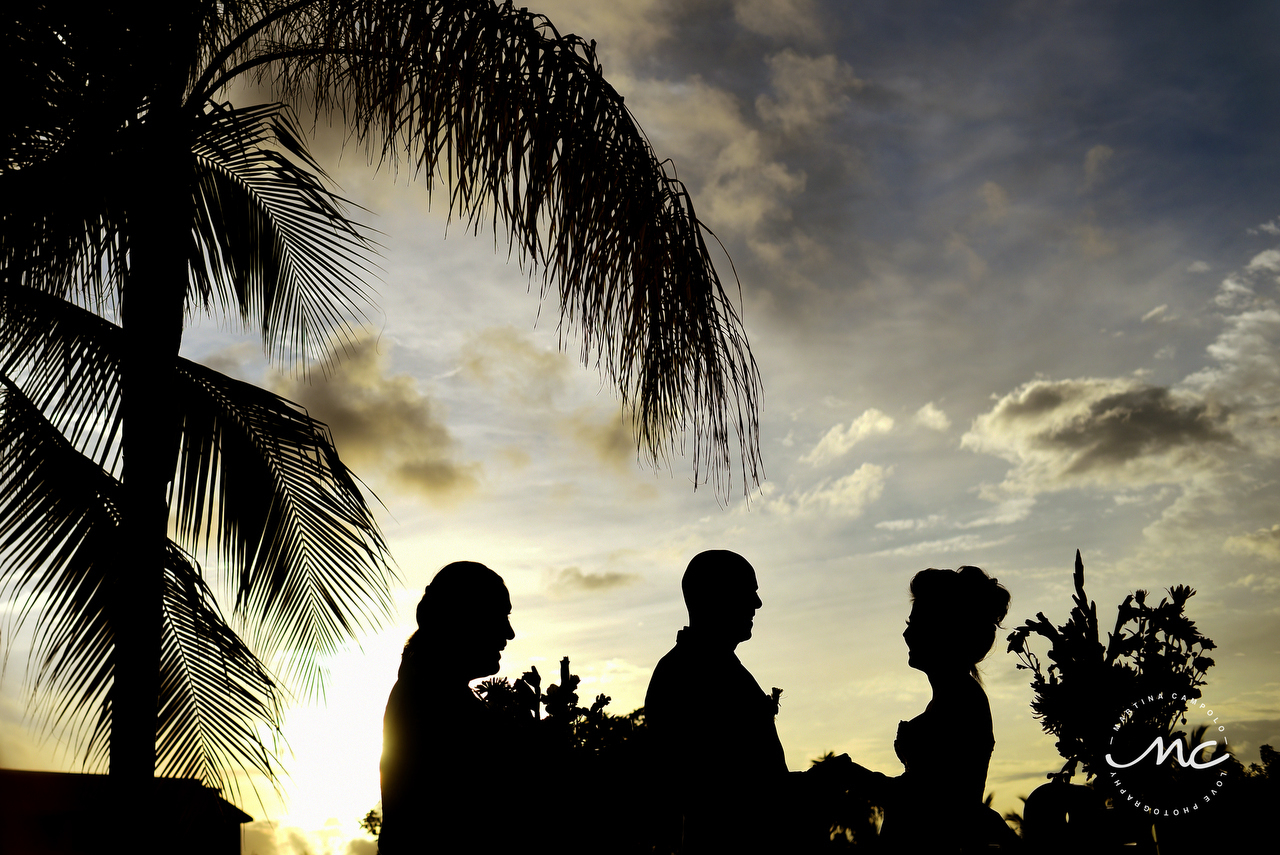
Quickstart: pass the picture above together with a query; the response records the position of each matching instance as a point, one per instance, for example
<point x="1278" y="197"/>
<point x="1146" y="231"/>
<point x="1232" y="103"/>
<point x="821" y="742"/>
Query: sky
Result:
<point x="1010" y="272"/>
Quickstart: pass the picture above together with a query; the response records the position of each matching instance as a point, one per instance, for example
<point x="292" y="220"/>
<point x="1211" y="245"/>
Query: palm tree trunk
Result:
<point x="151" y="310"/>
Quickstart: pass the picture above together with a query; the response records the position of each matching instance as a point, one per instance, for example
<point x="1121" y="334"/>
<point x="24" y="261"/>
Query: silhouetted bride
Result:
<point x="447" y="760"/>
<point x="936" y="804"/>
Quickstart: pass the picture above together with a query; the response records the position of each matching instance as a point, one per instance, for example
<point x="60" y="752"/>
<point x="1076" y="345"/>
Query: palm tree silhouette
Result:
<point x="134" y="197"/>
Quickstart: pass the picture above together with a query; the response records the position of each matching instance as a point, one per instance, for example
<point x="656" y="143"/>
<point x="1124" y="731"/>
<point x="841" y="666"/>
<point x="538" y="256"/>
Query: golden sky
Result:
<point x="1010" y="274"/>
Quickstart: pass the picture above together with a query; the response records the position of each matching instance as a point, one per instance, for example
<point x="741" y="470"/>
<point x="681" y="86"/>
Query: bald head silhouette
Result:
<point x="720" y="777"/>
<point x="720" y="593"/>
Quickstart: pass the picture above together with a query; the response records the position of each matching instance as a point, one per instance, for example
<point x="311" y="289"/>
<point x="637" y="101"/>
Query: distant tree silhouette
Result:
<point x="849" y="822"/>
<point x="133" y="196"/>
<point x="371" y="822"/>
<point x="1269" y="770"/>
<point x="1013" y="817"/>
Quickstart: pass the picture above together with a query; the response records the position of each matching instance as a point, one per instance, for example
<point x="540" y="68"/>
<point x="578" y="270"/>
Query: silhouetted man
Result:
<point x="716" y="750"/>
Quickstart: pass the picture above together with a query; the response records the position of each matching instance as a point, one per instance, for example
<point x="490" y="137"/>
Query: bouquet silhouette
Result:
<point x="1147" y="674"/>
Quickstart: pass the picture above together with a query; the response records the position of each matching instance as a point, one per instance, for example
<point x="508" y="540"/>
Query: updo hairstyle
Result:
<point x="970" y="605"/>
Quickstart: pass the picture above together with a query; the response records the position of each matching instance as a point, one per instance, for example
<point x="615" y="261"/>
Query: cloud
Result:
<point x="536" y="381"/>
<point x="266" y="837"/>
<point x="779" y="19"/>
<point x="810" y="91"/>
<point x="1268" y="260"/>
<point x="966" y="543"/>
<point x="507" y="359"/>
<point x="384" y="423"/>
<point x="729" y="164"/>
<point x="1074" y="433"/>
<point x="1258" y="584"/>
<point x="1094" y="242"/>
<point x="1233" y="293"/>
<point x="1095" y="162"/>
<point x="1240" y="289"/>
<point x="840" y="439"/>
<point x="623" y="32"/>
<point x="1246" y="377"/>
<point x="996" y="200"/>
<point x="1126" y="435"/>
<point x="930" y="521"/>
<point x="744" y="187"/>
<point x="1197" y="267"/>
<point x="738" y="163"/>
<point x="572" y="580"/>
<point x="260" y="837"/>
<point x="609" y="438"/>
<point x="1007" y="512"/>
<point x="234" y="359"/>
<point x="1156" y="313"/>
<point x="931" y="417"/>
<point x="975" y="265"/>
<point x="1263" y="543"/>
<point x="1142" y="498"/>
<point x="845" y="497"/>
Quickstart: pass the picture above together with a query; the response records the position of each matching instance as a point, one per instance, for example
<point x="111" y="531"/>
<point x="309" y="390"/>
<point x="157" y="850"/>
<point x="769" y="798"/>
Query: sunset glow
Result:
<point x="1011" y="274"/>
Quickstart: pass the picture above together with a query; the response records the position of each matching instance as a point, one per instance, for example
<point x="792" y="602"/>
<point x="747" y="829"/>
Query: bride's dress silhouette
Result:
<point x="936" y="804"/>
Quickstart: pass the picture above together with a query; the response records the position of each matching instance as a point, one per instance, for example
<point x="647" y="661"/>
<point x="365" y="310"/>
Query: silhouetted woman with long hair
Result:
<point x="447" y="761"/>
<point x="936" y="805"/>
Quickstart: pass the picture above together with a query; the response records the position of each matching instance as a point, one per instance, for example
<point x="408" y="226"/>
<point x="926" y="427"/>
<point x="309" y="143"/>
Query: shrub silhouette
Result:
<point x="1150" y="671"/>
<point x="1153" y="651"/>
<point x="591" y="767"/>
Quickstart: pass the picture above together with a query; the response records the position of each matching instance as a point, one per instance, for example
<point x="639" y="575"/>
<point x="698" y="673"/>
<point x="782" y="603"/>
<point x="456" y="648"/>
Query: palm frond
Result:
<point x="65" y="360"/>
<point x="259" y="483"/>
<point x="62" y="178"/>
<point x="520" y="123"/>
<point x="61" y="235"/>
<point x="270" y="240"/>
<point x="58" y="514"/>
<point x="260" y="486"/>
<point x="37" y="62"/>
<point x="213" y="690"/>
<point x="217" y="28"/>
